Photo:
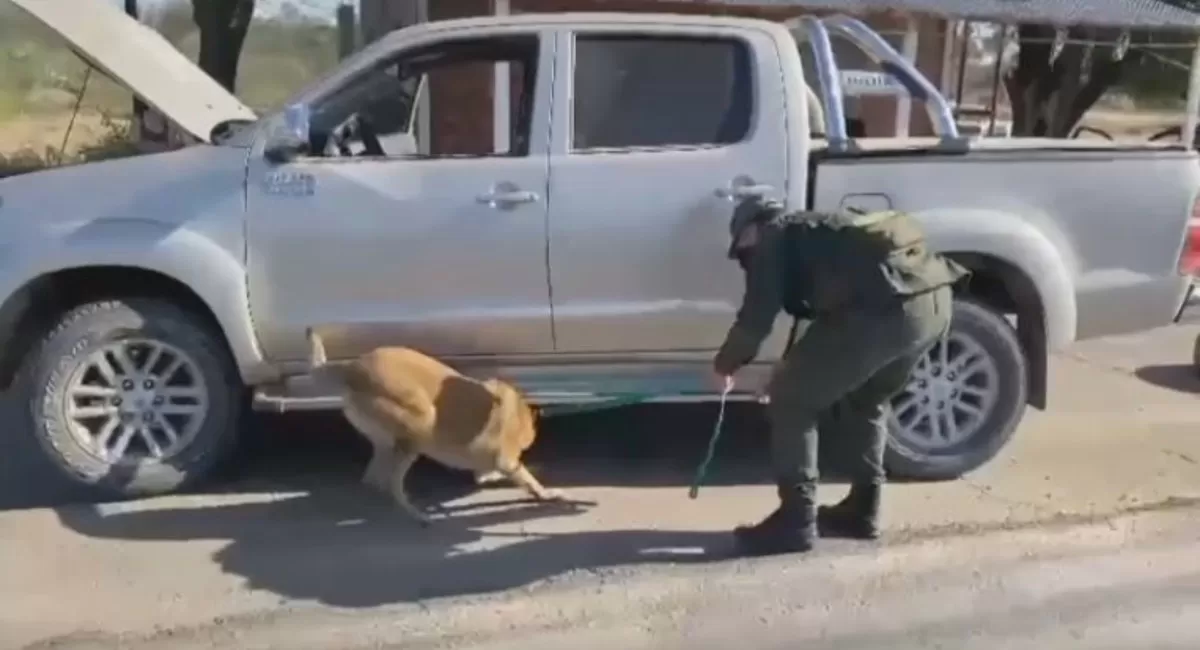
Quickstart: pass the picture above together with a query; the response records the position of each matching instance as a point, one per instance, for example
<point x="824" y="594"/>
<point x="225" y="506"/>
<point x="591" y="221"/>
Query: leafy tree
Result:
<point x="1050" y="93"/>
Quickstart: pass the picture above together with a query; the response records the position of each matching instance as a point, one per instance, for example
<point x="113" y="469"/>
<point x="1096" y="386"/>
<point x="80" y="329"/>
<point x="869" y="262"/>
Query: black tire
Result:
<point x="1196" y="356"/>
<point x="996" y="336"/>
<point x="83" y="331"/>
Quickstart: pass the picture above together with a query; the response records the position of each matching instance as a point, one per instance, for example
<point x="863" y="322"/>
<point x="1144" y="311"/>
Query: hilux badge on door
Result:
<point x="289" y="184"/>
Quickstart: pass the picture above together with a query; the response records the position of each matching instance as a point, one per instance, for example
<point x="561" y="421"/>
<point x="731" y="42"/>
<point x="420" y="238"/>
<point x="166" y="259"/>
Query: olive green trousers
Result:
<point x="840" y="375"/>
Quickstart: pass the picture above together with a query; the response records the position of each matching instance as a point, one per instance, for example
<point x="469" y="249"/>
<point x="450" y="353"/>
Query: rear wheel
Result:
<point x="963" y="401"/>
<point x="132" y="397"/>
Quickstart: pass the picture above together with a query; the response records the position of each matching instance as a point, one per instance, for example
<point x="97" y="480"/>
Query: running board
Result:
<point x="265" y="401"/>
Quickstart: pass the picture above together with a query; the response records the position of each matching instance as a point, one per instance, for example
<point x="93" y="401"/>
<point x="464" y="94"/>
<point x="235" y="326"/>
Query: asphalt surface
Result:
<point x="1132" y="582"/>
<point x="290" y="552"/>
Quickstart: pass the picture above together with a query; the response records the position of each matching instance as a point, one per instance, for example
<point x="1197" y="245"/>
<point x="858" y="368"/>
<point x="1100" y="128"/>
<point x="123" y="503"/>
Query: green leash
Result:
<point x="629" y="399"/>
<point x="718" y="426"/>
<point x="618" y="400"/>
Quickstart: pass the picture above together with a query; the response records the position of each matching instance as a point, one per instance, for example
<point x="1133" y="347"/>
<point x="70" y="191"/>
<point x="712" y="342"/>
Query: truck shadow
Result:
<point x="644" y="446"/>
<point x="339" y="549"/>
<point x="298" y="524"/>
<point x="1183" y="378"/>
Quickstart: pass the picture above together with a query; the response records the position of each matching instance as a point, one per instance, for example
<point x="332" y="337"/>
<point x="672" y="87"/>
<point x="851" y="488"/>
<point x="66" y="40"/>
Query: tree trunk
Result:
<point x="223" y="27"/>
<point x="1050" y="98"/>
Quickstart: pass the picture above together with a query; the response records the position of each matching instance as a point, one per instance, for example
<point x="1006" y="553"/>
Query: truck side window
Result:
<point x="457" y="76"/>
<point x="652" y="91"/>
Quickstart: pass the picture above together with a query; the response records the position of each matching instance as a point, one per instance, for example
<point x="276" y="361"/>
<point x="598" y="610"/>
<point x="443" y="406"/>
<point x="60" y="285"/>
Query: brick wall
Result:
<point x="461" y="98"/>
<point x="467" y="126"/>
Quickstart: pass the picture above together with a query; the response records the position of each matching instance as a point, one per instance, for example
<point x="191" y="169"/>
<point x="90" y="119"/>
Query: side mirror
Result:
<point x="292" y="139"/>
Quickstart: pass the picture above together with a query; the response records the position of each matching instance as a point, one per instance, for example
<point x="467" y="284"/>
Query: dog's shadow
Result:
<point x="342" y="548"/>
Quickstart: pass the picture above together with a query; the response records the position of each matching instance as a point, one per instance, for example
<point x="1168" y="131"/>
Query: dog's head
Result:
<point x="520" y="416"/>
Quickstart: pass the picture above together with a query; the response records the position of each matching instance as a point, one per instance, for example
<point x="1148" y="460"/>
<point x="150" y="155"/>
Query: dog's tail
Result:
<point x="319" y="369"/>
<point x="316" y="350"/>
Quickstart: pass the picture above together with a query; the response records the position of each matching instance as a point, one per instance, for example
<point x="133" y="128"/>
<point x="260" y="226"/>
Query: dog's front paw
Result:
<point x="376" y="480"/>
<point x="553" y="495"/>
<point x="490" y="478"/>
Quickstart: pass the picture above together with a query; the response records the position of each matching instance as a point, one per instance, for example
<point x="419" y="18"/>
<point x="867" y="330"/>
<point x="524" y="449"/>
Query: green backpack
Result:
<point x="857" y="259"/>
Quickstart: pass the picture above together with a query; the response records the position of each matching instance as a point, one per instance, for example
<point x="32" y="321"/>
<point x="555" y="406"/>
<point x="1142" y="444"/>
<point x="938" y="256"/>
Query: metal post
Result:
<point x="424" y="105"/>
<point x="347" y="26"/>
<point x="965" y="41"/>
<point x="1002" y="40"/>
<point x="908" y="50"/>
<point x="948" y="36"/>
<point x="1188" y="136"/>
<point x="501" y="89"/>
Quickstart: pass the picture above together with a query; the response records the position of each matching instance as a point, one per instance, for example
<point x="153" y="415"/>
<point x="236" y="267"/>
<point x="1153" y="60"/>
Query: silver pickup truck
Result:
<point x="145" y="303"/>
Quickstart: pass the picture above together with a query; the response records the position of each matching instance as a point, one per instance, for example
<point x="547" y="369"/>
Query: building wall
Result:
<point x="466" y="129"/>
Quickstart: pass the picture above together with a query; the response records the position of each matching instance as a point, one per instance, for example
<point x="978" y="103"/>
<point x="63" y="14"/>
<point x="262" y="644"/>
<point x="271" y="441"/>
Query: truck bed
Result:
<point x="1115" y="240"/>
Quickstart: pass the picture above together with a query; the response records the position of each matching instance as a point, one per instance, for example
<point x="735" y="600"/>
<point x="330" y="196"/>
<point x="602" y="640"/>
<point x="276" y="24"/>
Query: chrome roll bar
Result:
<point x="816" y="31"/>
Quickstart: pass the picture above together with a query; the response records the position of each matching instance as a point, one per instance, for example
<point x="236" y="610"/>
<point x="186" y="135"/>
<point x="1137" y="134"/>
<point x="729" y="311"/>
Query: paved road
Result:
<point x="292" y="532"/>
<point x="1133" y="582"/>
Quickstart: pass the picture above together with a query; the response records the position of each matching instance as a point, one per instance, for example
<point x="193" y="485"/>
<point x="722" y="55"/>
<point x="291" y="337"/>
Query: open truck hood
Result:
<point x="143" y="60"/>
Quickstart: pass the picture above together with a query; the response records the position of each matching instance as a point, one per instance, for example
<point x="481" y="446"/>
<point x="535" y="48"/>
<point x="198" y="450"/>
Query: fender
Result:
<point x="1030" y="244"/>
<point x="195" y="259"/>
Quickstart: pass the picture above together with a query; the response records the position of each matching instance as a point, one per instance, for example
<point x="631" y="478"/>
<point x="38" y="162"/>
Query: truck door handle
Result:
<point x="743" y="187"/>
<point x="505" y="196"/>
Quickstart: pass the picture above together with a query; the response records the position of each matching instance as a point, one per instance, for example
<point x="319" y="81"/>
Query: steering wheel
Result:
<point x="1176" y="133"/>
<point x="1169" y="132"/>
<point x="1100" y="132"/>
<point x="360" y="128"/>
<point x="369" y="136"/>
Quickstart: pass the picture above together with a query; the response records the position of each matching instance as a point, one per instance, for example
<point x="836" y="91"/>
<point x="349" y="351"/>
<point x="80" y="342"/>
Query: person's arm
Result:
<point x="761" y="303"/>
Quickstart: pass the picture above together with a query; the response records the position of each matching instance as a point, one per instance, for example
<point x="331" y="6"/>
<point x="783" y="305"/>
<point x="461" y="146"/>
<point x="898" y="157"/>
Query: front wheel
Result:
<point x="132" y="397"/>
<point x="1196" y="356"/>
<point x="963" y="401"/>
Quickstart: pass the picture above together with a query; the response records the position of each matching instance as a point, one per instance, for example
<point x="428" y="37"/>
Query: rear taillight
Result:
<point x="1189" y="259"/>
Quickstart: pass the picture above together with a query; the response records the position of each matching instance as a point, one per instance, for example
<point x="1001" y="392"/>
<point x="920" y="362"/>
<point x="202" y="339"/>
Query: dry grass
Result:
<point x="46" y="131"/>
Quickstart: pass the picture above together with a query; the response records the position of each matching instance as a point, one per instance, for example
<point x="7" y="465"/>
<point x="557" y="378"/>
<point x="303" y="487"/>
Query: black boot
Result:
<point x="790" y="529"/>
<point x="855" y="517"/>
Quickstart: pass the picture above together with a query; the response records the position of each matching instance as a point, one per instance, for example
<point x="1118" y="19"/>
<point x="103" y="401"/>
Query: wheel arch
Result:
<point x="1002" y="286"/>
<point x="198" y="262"/>
<point x="33" y="306"/>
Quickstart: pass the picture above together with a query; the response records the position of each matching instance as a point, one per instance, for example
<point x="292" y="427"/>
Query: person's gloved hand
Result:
<point x="750" y="211"/>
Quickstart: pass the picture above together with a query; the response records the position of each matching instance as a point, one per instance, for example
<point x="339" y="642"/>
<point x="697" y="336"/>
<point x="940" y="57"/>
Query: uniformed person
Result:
<point x="878" y="300"/>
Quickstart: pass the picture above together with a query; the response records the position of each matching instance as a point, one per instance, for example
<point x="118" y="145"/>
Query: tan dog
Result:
<point x="408" y="404"/>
